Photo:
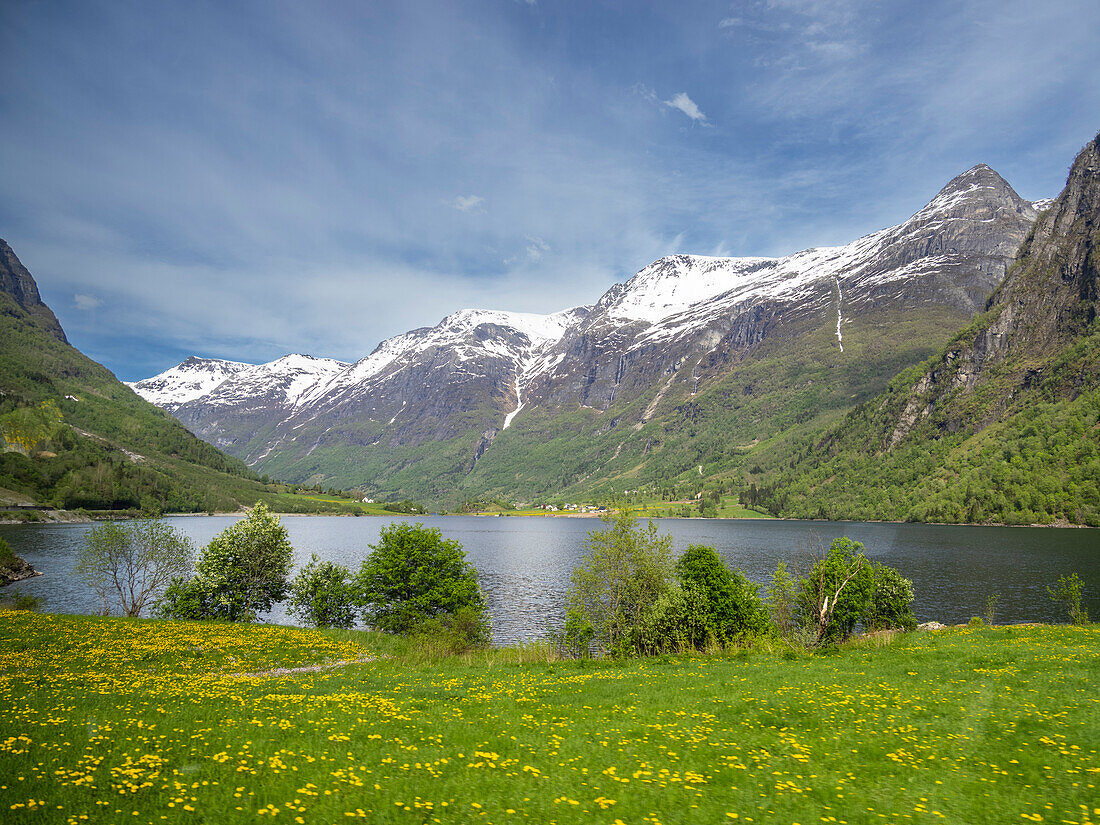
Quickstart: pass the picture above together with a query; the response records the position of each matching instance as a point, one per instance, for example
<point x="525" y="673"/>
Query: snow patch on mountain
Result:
<point x="226" y="383"/>
<point x="194" y="378"/>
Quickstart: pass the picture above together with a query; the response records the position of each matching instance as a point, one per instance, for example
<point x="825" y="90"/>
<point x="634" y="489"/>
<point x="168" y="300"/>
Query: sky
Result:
<point x="243" y="180"/>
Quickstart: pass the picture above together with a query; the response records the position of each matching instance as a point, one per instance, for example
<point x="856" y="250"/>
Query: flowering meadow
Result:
<point x="137" y="721"/>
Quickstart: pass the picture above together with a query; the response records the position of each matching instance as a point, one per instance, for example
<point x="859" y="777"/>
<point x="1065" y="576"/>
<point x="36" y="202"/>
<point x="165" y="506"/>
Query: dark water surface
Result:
<point x="524" y="563"/>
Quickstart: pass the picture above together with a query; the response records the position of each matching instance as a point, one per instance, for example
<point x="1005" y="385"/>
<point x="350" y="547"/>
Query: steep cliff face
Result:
<point x="1045" y="305"/>
<point x="17" y="283"/>
<point x="1003" y="425"/>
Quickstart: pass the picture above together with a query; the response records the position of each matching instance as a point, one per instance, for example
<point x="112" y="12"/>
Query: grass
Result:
<point x="112" y="720"/>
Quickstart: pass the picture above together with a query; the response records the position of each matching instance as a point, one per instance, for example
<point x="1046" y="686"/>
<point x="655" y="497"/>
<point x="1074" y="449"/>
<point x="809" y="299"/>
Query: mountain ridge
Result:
<point x="644" y="349"/>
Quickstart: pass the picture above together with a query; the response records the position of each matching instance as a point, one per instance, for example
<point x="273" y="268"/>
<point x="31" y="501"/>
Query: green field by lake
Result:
<point x="112" y="720"/>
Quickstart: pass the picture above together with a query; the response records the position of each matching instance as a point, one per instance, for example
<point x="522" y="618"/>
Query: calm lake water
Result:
<point x="524" y="563"/>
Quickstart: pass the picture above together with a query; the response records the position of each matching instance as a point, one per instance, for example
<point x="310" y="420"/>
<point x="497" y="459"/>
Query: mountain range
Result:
<point x="689" y="373"/>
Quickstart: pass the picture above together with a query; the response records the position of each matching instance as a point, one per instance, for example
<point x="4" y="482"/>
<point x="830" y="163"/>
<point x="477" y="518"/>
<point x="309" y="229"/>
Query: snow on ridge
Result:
<point x="194" y="378"/>
<point x="1042" y="204"/>
<point x="225" y="382"/>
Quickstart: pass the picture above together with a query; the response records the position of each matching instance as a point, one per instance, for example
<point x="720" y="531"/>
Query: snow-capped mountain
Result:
<point x="680" y="323"/>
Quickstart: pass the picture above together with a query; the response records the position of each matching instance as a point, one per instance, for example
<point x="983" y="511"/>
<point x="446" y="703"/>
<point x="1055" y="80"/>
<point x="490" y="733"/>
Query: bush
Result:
<point x="574" y="640"/>
<point x="131" y="561"/>
<point x="891" y="601"/>
<point x="836" y="594"/>
<point x="414" y="575"/>
<point x="731" y="604"/>
<point x="782" y="594"/>
<point x="322" y="595"/>
<point x="626" y="570"/>
<point x="464" y="630"/>
<point x="7" y="555"/>
<point x="17" y="600"/>
<point x="675" y="622"/>
<point x="1068" y="592"/>
<point x="240" y="573"/>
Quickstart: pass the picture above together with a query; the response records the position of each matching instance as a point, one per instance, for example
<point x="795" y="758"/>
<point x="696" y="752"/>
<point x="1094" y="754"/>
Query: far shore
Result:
<point x="68" y="517"/>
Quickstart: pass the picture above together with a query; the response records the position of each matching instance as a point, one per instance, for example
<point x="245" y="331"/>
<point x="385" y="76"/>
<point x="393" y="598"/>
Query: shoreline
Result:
<point x="69" y="517"/>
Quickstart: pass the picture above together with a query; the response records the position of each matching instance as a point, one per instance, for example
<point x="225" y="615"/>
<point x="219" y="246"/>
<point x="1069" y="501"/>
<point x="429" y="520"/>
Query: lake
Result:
<point x="524" y="563"/>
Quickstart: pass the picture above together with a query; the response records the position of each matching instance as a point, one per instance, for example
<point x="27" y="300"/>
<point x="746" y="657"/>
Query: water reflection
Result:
<point x="524" y="563"/>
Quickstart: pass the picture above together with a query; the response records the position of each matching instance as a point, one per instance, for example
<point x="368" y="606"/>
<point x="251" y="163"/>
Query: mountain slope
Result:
<point x="74" y="436"/>
<point x="677" y="373"/>
<point x="1004" y="424"/>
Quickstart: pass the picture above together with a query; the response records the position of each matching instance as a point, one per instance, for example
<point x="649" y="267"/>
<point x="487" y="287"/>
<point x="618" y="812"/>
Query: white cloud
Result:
<point x="86" y="302"/>
<point x="536" y="248"/>
<point x="688" y="106"/>
<point x="468" y="203"/>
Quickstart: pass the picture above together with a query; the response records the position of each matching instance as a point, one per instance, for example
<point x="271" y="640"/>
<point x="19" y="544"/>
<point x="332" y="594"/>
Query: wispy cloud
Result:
<point x="86" y="302"/>
<point x="468" y="203"/>
<point x="686" y="105"/>
<point x="428" y="156"/>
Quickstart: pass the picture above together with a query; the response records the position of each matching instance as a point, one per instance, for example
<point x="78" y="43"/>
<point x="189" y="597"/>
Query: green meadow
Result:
<point x="140" y="721"/>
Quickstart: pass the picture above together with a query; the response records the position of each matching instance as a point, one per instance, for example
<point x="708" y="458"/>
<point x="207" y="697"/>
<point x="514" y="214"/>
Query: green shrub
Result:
<point x="7" y="555"/>
<point x="676" y="621"/>
<point x="627" y="569"/>
<point x="891" y="601"/>
<point x="731" y="604"/>
<point x="782" y="593"/>
<point x="17" y="600"/>
<point x="464" y="630"/>
<point x="322" y="595"/>
<point x="1068" y="592"/>
<point x="574" y="640"/>
<point x="835" y="596"/>
<point x="414" y="575"/>
<point x="241" y="573"/>
<point x="975" y="621"/>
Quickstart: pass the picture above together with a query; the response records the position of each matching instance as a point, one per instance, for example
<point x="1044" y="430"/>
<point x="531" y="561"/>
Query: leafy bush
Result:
<point x="626" y="570"/>
<point x="240" y="573"/>
<point x="414" y="575"/>
<point x="782" y="593"/>
<point x="464" y="630"/>
<point x="836" y="594"/>
<point x="731" y="604"/>
<point x="322" y="595"/>
<point x="1068" y="592"/>
<point x="17" y="600"/>
<point x="675" y="622"/>
<point x="7" y="555"/>
<point x="891" y="601"/>
<point x="574" y="640"/>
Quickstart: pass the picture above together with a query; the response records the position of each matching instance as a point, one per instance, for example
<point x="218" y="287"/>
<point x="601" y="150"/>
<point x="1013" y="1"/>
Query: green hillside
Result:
<point x="74" y="436"/>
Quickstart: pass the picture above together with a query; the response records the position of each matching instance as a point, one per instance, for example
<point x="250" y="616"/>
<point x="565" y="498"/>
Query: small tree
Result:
<point x="732" y="604"/>
<point x="414" y="575"/>
<point x="322" y="595"/>
<point x="132" y="561"/>
<point x="240" y="573"/>
<point x="835" y="595"/>
<point x="1068" y="592"/>
<point x="626" y="570"/>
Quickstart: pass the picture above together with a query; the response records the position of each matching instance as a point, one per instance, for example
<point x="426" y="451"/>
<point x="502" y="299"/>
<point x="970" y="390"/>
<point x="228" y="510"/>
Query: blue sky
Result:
<point x="243" y="180"/>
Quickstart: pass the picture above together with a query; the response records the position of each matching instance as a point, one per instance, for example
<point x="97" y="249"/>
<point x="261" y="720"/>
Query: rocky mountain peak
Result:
<point x="16" y="281"/>
<point x="977" y="192"/>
